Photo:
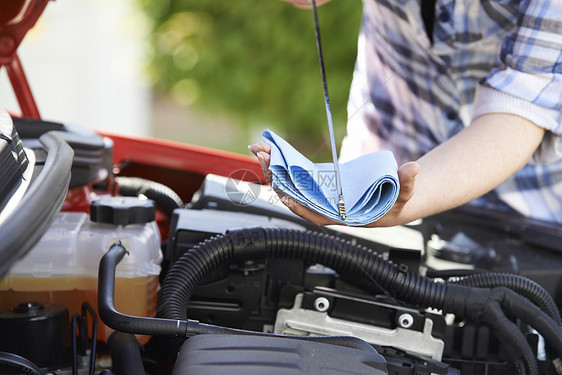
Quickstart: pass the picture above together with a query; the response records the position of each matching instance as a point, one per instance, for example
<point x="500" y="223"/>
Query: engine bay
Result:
<point x="126" y="278"/>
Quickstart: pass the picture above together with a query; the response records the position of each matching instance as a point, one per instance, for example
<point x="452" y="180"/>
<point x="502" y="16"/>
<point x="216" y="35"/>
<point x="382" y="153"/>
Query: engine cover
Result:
<point x="248" y="355"/>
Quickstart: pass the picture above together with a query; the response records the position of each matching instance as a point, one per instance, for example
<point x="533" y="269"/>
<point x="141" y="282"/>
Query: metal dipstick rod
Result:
<point x="341" y="204"/>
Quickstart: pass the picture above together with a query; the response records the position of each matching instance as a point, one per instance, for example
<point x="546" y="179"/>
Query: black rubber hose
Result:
<point x="511" y="337"/>
<point x="164" y="197"/>
<point x="522" y="285"/>
<point x="474" y="303"/>
<point x="519" y="307"/>
<point x="127" y="323"/>
<point x="354" y="262"/>
<point x="125" y="354"/>
<point x="16" y="362"/>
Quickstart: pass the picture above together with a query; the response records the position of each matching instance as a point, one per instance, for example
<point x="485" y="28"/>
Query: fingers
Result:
<point x="408" y="172"/>
<point x="407" y="176"/>
<point x="264" y="160"/>
<point x="305" y="213"/>
<point x="262" y="151"/>
<point x="262" y="146"/>
<point x="265" y="147"/>
<point x="300" y="210"/>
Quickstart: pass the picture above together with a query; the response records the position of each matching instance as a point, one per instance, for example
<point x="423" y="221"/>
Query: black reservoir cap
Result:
<point x="122" y="211"/>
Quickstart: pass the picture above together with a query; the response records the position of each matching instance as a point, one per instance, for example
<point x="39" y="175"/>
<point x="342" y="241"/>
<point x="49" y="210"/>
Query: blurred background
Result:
<point x="213" y="73"/>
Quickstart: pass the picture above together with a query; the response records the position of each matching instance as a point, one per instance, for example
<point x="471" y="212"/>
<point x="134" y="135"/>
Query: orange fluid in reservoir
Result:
<point x="133" y="296"/>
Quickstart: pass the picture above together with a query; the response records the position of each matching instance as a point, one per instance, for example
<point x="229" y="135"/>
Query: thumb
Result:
<point x="407" y="176"/>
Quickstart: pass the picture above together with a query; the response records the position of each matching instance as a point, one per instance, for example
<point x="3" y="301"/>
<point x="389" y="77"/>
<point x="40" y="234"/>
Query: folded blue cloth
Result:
<point x="369" y="183"/>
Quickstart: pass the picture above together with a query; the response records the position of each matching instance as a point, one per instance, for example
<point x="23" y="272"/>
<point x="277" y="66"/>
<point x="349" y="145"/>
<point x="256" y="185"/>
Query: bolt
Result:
<point x="406" y="321"/>
<point x="322" y="304"/>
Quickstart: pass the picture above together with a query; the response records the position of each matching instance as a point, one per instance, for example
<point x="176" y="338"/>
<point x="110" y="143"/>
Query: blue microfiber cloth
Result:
<point x="369" y="183"/>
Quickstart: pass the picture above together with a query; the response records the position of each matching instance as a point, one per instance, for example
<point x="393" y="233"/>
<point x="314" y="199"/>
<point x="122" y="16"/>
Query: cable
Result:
<point x="474" y="304"/>
<point x="75" y="321"/>
<point x="87" y="308"/>
<point x="522" y="285"/>
<point x="511" y="337"/>
<point x="519" y="307"/>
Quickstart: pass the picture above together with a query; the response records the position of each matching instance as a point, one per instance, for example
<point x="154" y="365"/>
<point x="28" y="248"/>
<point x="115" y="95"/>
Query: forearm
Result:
<point x="472" y="163"/>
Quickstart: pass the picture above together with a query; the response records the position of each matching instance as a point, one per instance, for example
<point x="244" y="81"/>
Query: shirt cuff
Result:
<point x="489" y="100"/>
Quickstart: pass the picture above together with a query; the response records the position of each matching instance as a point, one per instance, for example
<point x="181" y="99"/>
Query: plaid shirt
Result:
<point x="408" y="95"/>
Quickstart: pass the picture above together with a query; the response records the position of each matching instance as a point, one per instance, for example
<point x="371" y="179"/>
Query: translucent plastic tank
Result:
<point x="62" y="268"/>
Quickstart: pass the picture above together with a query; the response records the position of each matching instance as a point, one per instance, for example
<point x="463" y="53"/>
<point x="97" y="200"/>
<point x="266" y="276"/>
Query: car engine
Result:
<point x="112" y="273"/>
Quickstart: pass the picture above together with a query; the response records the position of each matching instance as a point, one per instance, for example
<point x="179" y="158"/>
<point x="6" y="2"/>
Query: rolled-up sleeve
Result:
<point x="529" y="82"/>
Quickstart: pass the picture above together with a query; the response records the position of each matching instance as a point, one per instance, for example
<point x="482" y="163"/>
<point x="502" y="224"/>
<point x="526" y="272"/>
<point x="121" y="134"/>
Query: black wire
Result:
<point x="511" y="337"/>
<point x="74" y="322"/>
<point x="87" y="308"/>
<point x="19" y="362"/>
<point x="523" y="286"/>
<point x="519" y="307"/>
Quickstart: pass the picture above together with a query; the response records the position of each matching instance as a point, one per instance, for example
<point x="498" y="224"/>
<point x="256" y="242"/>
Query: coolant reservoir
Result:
<point x="63" y="267"/>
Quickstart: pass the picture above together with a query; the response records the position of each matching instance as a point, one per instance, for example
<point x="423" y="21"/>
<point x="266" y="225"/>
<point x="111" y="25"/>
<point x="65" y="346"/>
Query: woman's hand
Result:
<point x="305" y="4"/>
<point x="406" y="175"/>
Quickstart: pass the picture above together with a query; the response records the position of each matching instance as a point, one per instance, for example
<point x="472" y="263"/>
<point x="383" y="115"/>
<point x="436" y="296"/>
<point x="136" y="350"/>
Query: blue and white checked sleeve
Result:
<point x="529" y="83"/>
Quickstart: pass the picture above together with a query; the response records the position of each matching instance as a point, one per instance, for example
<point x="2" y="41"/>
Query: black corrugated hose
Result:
<point x="522" y="285"/>
<point x="494" y="307"/>
<point x="358" y="265"/>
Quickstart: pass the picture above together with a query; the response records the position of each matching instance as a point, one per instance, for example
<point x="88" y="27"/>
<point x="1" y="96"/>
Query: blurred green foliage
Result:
<point x="257" y="62"/>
